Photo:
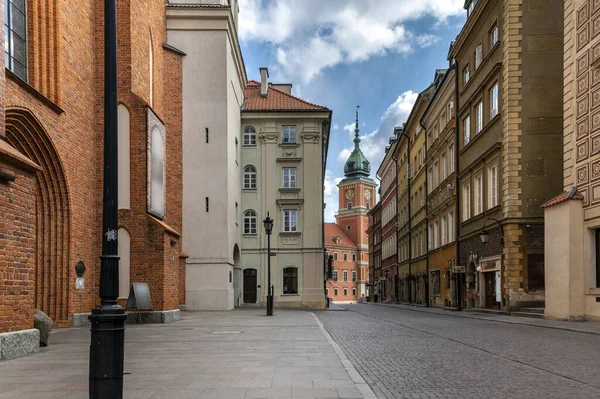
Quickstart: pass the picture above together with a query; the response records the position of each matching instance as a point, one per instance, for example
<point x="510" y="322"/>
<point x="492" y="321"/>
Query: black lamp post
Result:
<point x="268" y="222"/>
<point x="108" y="320"/>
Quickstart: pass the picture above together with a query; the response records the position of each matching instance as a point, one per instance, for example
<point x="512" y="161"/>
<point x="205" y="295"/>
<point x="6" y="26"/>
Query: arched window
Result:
<point x="249" y="222"/>
<point x="157" y="165"/>
<point x="124" y="158"/>
<point x="249" y="178"/>
<point x="124" y="251"/>
<point x="249" y="137"/>
<point x="290" y="280"/>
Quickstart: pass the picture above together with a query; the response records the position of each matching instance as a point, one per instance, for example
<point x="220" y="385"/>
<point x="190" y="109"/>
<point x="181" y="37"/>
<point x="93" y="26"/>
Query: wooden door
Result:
<point x="250" y="286"/>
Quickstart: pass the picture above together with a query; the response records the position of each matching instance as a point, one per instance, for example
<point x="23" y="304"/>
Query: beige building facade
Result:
<point x="283" y="155"/>
<point x="212" y="99"/>
<point x="572" y="219"/>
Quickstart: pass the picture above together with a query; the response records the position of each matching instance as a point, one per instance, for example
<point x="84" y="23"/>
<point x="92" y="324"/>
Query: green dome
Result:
<point x="357" y="164"/>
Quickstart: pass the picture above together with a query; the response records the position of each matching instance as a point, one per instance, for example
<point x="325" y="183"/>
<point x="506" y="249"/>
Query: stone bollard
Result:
<point x="44" y="324"/>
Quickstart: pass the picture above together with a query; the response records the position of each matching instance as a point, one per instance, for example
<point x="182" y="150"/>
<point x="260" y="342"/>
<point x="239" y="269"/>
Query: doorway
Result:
<point x="250" y="285"/>
<point x="490" y="289"/>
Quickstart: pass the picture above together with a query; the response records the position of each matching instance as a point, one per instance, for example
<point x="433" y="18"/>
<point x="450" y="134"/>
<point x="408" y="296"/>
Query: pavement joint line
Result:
<point x="360" y="383"/>
<point x="465" y="316"/>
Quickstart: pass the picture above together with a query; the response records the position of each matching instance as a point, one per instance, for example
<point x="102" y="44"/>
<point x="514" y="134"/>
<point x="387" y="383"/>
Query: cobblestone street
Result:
<point x="411" y="354"/>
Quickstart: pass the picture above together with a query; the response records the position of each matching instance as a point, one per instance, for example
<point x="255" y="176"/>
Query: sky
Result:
<point x="378" y="54"/>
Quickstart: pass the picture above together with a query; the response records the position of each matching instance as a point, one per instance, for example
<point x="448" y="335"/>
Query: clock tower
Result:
<point x="356" y="197"/>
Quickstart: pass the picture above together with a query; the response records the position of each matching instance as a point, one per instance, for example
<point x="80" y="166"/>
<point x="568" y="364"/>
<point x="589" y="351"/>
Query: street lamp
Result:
<point x="484" y="236"/>
<point x="268" y="222"/>
<point x="108" y="320"/>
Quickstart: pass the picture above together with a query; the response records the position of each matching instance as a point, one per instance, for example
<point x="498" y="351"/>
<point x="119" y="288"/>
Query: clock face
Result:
<point x="349" y="194"/>
<point x="368" y="195"/>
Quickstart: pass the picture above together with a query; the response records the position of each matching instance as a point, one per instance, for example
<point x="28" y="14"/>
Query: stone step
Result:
<point x="528" y="314"/>
<point x="533" y="310"/>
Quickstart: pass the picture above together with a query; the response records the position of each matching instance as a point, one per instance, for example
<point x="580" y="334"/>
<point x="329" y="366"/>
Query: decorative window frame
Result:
<point x="154" y="123"/>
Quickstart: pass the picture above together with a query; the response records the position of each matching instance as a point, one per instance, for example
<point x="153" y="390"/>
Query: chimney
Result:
<point x="264" y="81"/>
<point x="284" y="87"/>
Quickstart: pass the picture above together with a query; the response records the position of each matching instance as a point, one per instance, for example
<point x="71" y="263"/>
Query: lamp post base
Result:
<point x="269" y="305"/>
<point x="107" y="352"/>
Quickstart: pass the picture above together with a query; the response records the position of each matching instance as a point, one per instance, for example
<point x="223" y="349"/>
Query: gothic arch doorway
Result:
<point x="25" y="133"/>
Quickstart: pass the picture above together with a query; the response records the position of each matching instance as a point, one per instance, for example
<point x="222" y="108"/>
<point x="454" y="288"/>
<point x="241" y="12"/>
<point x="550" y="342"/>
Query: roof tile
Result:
<point x="276" y="100"/>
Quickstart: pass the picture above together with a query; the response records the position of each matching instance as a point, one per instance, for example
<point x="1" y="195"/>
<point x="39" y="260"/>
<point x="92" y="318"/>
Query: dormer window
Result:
<point x="338" y="240"/>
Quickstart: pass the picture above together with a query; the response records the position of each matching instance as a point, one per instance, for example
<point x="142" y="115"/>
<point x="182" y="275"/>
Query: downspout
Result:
<point x="457" y="214"/>
<point x="426" y="221"/>
<point x="409" y="221"/>
<point x="396" y="281"/>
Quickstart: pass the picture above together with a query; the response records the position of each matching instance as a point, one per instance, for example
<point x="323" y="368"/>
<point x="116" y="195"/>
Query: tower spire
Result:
<point x="356" y="130"/>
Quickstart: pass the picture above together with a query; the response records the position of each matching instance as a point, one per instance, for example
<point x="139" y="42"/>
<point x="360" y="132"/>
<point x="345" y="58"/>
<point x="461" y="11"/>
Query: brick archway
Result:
<point x="25" y="133"/>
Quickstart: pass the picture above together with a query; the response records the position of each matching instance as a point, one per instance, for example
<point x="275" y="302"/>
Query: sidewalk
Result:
<point x="237" y="354"/>
<point x="587" y="327"/>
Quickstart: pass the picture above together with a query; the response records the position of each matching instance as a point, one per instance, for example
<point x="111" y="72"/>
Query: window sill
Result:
<point x="249" y="235"/>
<point x="290" y="295"/>
<point x="290" y="233"/>
<point x="249" y="189"/>
<point x="289" y="145"/>
<point x="289" y="190"/>
<point x="249" y="146"/>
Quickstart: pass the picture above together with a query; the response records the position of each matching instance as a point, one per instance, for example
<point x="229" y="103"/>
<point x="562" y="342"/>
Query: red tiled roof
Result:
<point x="276" y="100"/>
<point x="332" y="231"/>
<point x="564" y="196"/>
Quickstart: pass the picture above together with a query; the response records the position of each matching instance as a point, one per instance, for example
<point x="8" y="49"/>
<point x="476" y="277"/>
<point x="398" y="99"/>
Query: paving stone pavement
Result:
<point x="237" y="354"/>
<point x="407" y="354"/>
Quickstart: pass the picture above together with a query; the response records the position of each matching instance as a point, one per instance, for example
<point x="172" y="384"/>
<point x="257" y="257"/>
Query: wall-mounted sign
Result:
<point x="458" y="269"/>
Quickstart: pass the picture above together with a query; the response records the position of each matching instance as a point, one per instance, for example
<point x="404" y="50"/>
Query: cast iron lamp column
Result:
<point x="268" y="222"/>
<point x="108" y="319"/>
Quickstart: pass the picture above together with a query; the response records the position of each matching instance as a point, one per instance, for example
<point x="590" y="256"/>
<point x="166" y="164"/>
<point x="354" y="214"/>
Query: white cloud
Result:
<point x="336" y="126"/>
<point x="311" y="35"/>
<point x="331" y="196"/>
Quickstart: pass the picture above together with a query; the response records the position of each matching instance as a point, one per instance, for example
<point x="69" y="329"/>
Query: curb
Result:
<point x="361" y="385"/>
<point x="470" y="316"/>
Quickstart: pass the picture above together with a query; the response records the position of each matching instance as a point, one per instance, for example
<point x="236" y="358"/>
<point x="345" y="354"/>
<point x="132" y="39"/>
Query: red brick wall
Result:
<point x="17" y="236"/>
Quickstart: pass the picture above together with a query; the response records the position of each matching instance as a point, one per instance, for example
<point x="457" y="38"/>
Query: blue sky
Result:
<point x="340" y="53"/>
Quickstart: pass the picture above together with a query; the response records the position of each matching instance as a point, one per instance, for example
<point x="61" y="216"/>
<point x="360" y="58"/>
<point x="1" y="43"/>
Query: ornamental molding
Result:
<point x="310" y="136"/>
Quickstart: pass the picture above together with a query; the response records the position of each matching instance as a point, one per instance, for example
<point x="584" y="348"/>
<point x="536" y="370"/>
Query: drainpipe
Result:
<point x="409" y="175"/>
<point x="457" y="215"/>
<point x="426" y="221"/>
<point x="396" y="281"/>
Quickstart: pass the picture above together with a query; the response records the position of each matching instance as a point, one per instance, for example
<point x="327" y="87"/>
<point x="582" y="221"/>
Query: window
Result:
<point x="444" y="165"/>
<point x="444" y="230"/>
<point x="353" y="257"/>
<point x="290" y="280"/>
<point x="335" y="275"/>
<point x="354" y="276"/>
<point x="451" y="226"/>
<point x="435" y="282"/>
<point x="335" y="291"/>
<point x="478" y="194"/>
<point x="493" y="186"/>
<point x="470" y="9"/>
<point x="289" y="134"/>
<point x="450" y="109"/>
<point x="466" y="201"/>
<point x="450" y="158"/>
<point x="430" y="237"/>
<point x="207" y="203"/>
<point x="345" y="275"/>
<point x="289" y="177"/>
<point x="15" y="37"/>
<point x="430" y="180"/>
<point x="479" y="117"/>
<point x="345" y="256"/>
<point x="349" y="205"/>
<point x="467" y="129"/>
<point x="335" y="256"/>
<point x="249" y="222"/>
<point x="494" y="101"/>
<point x="466" y="75"/>
<point x="436" y="234"/>
<point x="435" y="131"/>
<point x="435" y="175"/>
<point x="249" y="178"/>
<point x="290" y="220"/>
<point x="345" y="291"/>
<point x="368" y="205"/>
<point x="124" y="165"/>
<point x="157" y="171"/>
<point x="478" y="56"/>
<point x="493" y="35"/>
<point x="249" y="137"/>
<point x="353" y="291"/>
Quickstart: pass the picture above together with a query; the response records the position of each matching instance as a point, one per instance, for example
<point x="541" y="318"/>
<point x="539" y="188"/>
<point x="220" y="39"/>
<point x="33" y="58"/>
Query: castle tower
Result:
<point x="356" y="196"/>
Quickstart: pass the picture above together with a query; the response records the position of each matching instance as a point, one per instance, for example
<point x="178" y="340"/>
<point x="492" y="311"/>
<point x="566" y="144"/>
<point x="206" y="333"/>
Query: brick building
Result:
<point x="51" y="159"/>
